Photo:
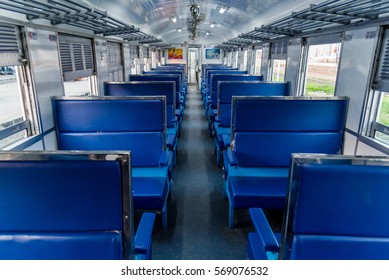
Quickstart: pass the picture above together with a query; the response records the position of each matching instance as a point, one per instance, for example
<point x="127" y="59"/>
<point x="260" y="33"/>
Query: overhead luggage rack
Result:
<point x="78" y="14"/>
<point x="327" y="14"/>
<point x="364" y="9"/>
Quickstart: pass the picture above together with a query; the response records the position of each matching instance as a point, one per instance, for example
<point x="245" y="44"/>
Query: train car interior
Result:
<point x="230" y="117"/>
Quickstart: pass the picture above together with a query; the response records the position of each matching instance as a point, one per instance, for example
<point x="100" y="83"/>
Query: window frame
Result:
<point x="70" y="59"/>
<point x="72" y="74"/>
<point x="30" y="123"/>
<point x="235" y="59"/>
<point x="115" y="61"/>
<point x="373" y="126"/>
<point x="245" y="55"/>
<point x="333" y="38"/>
<point x="256" y="66"/>
<point x="272" y="68"/>
<point x="230" y="58"/>
<point x="278" y="51"/>
<point x="378" y="88"/>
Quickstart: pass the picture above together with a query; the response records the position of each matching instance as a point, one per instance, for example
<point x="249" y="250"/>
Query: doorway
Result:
<point x="193" y="63"/>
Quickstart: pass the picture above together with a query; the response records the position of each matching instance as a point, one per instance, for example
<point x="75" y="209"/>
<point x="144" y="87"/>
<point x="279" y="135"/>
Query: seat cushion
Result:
<point x="264" y="192"/>
<point x="149" y="192"/>
<point x="150" y="172"/>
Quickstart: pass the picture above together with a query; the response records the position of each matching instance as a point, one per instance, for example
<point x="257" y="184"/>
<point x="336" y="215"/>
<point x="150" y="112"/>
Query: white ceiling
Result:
<point x="152" y="16"/>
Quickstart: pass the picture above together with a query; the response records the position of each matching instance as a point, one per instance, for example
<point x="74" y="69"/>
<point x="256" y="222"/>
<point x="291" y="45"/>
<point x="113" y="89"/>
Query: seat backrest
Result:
<point x="169" y="70"/>
<point x="216" y="78"/>
<point x="180" y="72"/>
<point x="206" y="67"/>
<point x="337" y="208"/>
<point x="146" y="88"/>
<point x="267" y="130"/>
<point x="222" y="71"/>
<point x="65" y="205"/>
<point x="136" y="124"/>
<point x="171" y="66"/>
<point x="160" y="77"/>
<point x="227" y="89"/>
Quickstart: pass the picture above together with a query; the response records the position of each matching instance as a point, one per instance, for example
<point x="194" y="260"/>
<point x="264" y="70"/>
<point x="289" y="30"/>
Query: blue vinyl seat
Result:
<point x="176" y="78"/>
<point x="204" y="74"/>
<point x="173" y="71"/>
<point x="336" y="209"/>
<point x="75" y="206"/>
<point x="122" y="123"/>
<point x="266" y="131"/>
<point x="211" y="109"/>
<point x="206" y="92"/>
<point x="152" y="88"/>
<point x="225" y="91"/>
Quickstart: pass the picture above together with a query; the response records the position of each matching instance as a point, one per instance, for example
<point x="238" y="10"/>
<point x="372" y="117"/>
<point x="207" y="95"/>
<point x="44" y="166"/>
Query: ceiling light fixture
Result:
<point x="173" y="18"/>
<point x="213" y="24"/>
<point x="206" y="33"/>
<point x="179" y="29"/>
<point x="222" y="8"/>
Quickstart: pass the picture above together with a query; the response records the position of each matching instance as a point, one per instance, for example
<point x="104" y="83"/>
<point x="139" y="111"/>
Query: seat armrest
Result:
<point x="165" y="158"/>
<point x="143" y="234"/>
<point x="232" y="158"/>
<point x="261" y="225"/>
<point x="211" y="110"/>
<point x="174" y="119"/>
<point x="226" y="140"/>
<point x="218" y="119"/>
<point x="170" y="142"/>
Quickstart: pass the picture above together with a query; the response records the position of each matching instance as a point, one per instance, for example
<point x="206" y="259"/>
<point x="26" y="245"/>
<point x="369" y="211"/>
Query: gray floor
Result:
<point x="197" y="213"/>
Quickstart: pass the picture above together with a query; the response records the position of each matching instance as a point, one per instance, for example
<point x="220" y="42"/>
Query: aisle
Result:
<point x="197" y="213"/>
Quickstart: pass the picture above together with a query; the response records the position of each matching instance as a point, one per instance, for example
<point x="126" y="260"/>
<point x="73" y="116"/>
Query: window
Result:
<point x="235" y="63"/>
<point x="383" y="109"/>
<point x="81" y="86"/>
<point x="11" y="105"/>
<point x="258" y="62"/>
<point x="224" y="56"/>
<point x="146" y="61"/>
<point x="154" y="60"/>
<point x="278" y="70"/>
<point x="278" y="55"/>
<point x="244" y="60"/>
<point x="115" y="62"/>
<point x="16" y="116"/>
<point x="229" y="63"/>
<point x="379" y="126"/>
<point x="134" y="55"/>
<point x="321" y="71"/>
<point x="146" y="64"/>
<point x="78" y="70"/>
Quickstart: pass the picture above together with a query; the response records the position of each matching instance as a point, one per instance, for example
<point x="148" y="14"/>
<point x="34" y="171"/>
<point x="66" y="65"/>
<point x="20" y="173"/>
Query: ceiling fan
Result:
<point x="194" y="20"/>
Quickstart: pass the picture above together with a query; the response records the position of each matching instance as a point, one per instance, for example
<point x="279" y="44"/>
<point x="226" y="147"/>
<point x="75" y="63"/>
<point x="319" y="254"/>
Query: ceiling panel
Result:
<point x="245" y="22"/>
<point x="152" y="16"/>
